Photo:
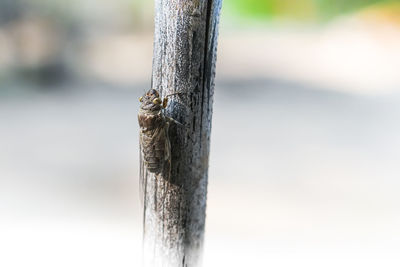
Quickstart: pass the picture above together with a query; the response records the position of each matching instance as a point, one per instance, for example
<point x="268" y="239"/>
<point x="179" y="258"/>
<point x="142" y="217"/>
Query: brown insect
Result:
<point x="154" y="140"/>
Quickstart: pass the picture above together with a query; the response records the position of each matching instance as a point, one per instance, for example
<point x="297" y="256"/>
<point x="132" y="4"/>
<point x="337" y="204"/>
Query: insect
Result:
<point x="154" y="140"/>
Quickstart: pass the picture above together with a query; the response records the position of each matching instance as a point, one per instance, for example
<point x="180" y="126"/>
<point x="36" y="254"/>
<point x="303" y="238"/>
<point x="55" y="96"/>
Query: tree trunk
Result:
<point x="183" y="62"/>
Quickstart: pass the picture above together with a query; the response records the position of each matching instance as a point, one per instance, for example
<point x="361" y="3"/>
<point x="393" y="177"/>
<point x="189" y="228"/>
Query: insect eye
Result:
<point x="157" y="101"/>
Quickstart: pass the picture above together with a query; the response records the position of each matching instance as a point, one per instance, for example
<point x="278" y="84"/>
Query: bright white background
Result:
<point x="304" y="155"/>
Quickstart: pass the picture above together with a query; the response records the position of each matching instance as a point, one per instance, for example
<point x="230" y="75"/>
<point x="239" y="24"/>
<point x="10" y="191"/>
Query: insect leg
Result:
<point x="169" y="119"/>
<point x="165" y="100"/>
<point x="177" y="93"/>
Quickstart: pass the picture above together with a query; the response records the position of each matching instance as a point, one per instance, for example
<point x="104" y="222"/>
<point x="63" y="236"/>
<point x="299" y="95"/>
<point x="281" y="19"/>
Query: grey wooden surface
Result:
<point x="183" y="62"/>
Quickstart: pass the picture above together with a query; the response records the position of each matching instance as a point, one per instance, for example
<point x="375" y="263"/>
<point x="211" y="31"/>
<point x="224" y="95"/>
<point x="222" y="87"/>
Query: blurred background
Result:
<point x="305" y="151"/>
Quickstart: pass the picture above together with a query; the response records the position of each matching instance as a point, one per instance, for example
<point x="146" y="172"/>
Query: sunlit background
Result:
<point x="304" y="167"/>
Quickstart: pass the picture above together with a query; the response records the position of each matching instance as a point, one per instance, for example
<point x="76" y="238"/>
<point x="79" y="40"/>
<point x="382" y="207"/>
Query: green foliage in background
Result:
<point x="296" y="9"/>
<point x="330" y="8"/>
<point x="271" y="8"/>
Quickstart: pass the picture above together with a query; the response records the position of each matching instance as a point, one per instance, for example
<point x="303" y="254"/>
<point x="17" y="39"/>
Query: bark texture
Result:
<point x="174" y="201"/>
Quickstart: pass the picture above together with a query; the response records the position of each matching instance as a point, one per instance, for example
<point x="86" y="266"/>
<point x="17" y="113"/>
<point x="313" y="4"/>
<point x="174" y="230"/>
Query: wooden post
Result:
<point x="184" y="58"/>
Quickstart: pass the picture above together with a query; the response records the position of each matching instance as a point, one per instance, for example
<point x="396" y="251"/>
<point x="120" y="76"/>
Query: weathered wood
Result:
<point x="184" y="57"/>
